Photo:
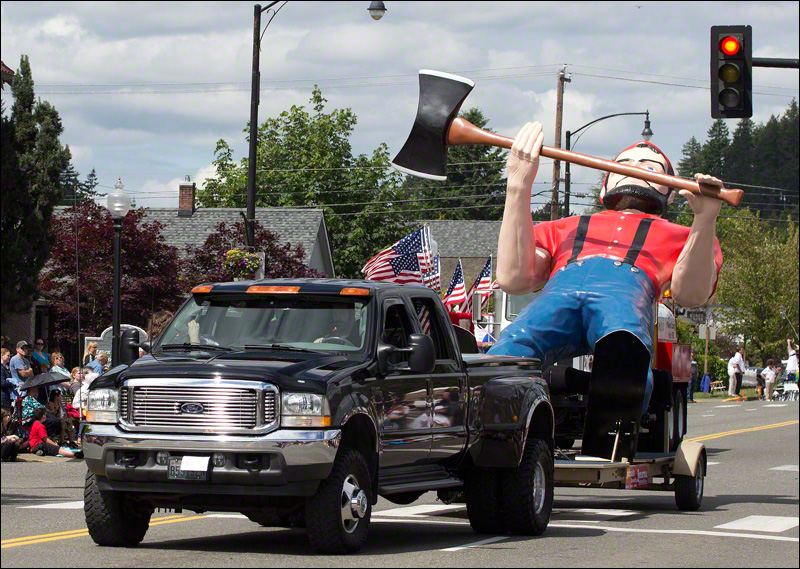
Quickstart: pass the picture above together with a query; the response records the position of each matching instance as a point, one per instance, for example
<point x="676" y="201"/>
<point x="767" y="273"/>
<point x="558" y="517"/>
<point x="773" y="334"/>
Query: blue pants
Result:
<point x="580" y="304"/>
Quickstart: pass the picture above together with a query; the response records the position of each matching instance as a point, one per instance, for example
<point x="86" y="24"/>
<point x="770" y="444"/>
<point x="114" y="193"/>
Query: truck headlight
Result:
<point x="305" y="410"/>
<point x="102" y="406"/>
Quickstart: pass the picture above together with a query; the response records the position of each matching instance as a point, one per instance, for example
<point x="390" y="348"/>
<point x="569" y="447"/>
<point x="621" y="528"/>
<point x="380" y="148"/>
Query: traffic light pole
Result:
<point x="776" y="62"/>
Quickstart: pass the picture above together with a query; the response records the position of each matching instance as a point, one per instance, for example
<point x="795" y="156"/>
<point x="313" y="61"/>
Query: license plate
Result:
<point x="175" y="472"/>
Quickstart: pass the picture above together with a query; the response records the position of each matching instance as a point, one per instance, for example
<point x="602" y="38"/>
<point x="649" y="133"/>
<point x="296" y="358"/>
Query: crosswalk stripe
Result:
<point x="770" y="524"/>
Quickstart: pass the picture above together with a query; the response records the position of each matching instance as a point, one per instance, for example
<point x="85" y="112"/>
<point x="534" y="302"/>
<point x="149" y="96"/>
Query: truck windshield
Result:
<point x="312" y="323"/>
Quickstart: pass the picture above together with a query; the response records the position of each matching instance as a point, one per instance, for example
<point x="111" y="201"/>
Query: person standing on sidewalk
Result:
<point x="769" y="378"/>
<point x="791" y="366"/>
<point x="735" y="372"/>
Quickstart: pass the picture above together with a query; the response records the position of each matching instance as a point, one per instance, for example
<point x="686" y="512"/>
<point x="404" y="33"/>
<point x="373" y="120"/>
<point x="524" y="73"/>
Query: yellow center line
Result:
<point x="738" y="431"/>
<point x="30" y="540"/>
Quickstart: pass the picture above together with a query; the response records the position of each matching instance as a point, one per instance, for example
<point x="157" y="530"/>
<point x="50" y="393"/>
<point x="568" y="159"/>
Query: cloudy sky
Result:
<point x="145" y="89"/>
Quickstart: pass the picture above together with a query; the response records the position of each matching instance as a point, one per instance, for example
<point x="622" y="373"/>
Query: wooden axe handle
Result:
<point x="463" y="132"/>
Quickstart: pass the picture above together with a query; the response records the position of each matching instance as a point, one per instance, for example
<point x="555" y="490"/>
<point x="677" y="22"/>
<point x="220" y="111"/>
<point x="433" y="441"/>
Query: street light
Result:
<point x="647" y="134"/>
<point x="376" y="10"/>
<point x="118" y="204"/>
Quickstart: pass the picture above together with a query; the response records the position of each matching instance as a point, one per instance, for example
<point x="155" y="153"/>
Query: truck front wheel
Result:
<point x="527" y="491"/>
<point x="109" y="519"/>
<point x="338" y="514"/>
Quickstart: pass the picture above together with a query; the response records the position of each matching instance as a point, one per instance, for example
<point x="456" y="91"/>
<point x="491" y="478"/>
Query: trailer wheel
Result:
<point x="338" y="514"/>
<point x="109" y="519"/>
<point x="483" y="501"/>
<point x="527" y="491"/>
<point x="689" y="489"/>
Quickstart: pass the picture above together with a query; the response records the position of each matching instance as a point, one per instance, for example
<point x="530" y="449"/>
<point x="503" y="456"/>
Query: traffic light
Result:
<point x="731" y="77"/>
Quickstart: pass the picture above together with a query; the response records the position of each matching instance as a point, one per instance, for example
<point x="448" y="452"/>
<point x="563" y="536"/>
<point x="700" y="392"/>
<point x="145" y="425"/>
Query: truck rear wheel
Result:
<point x="109" y="520"/>
<point x="527" y="491"/>
<point x="483" y="501"/>
<point x="338" y="514"/>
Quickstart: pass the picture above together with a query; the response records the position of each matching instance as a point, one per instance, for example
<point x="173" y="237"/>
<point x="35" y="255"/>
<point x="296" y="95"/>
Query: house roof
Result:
<point x="465" y="238"/>
<point x="297" y="226"/>
<point x="304" y="227"/>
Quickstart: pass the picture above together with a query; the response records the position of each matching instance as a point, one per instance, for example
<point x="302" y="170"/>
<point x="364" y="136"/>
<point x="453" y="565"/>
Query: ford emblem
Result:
<point x="194" y="408"/>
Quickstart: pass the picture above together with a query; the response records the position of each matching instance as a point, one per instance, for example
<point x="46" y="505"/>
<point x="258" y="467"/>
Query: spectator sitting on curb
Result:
<point x="81" y="397"/>
<point x="41" y="444"/>
<point x="20" y="369"/>
<point x="29" y="407"/>
<point x="10" y="442"/>
<point x="40" y="356"/>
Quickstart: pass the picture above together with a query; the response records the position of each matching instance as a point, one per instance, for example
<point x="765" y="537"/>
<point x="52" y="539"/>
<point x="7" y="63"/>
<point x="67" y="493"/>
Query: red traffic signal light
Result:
<point x="729" y="45"/>
<point x="731" y="78"/>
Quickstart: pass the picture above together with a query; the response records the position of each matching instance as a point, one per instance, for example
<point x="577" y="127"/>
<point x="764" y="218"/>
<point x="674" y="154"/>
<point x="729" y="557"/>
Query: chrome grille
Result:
<point x="270" y="406"/>
<point x="123" y="405"/>
<point x="198" y="406"/>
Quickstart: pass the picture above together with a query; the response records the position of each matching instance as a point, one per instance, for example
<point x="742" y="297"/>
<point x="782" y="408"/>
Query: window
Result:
<point x="430" y="319"/>
<point x="396" y="329"/>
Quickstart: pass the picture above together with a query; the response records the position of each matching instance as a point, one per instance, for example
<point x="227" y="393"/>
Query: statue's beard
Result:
<point x="640" y="198"/>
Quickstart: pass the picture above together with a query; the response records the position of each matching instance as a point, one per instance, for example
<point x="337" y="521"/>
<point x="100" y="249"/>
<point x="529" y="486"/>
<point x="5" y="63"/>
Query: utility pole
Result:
<point x="562" y="78"/>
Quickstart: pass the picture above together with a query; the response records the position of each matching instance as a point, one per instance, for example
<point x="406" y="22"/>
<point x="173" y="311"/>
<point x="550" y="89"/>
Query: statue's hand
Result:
<point x="705" y="206"/>
<point x="523" y="161"/>
<point x="194" y="332"/>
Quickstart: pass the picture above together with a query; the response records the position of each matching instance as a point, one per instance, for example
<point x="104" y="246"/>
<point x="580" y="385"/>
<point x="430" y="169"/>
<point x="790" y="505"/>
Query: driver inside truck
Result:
<point x="342" y="325"/>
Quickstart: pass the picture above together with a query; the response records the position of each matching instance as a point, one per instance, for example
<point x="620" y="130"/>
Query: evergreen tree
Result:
<point x="475" y="179"/>
<point x="690" y="162"/>
<point x="712" y="157"/>
<point x="33" y="161"/>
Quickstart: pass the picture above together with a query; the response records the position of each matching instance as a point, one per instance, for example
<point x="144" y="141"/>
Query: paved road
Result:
<point x="749" y="517"/>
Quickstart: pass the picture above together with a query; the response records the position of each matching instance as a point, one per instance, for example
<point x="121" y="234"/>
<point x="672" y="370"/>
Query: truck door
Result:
<point x="405" y="409"/>
<point x="448" y="383"/>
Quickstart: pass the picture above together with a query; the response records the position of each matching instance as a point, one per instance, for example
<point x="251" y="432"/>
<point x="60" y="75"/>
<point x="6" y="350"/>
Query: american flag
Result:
<point x="432" y="278"/>
<point x="456" y="292"/>
<point x="424" y="316"/>
<point x="400" y="270"/>
<point x="408" y="245"/>
<point x="483" y="285"/>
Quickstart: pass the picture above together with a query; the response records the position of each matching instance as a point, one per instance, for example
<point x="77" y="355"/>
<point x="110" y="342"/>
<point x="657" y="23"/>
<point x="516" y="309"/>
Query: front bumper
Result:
<point x="282" y="463"/>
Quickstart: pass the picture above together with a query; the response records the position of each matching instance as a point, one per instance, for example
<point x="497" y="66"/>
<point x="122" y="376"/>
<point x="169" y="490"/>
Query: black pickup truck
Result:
<point x="299" y="402"/>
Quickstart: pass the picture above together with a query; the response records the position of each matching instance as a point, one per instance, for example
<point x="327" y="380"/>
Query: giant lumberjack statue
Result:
<point x="600" y="274"/>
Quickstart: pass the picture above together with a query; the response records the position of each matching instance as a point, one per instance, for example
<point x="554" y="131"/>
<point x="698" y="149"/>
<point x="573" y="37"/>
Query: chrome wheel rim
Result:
<point x="354" y="504"/>
<point x="699" y="481"/>
<point x="539" y="489"/>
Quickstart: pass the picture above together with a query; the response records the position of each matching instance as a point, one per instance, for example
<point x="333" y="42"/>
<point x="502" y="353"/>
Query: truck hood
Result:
<point x="309" y="372"/>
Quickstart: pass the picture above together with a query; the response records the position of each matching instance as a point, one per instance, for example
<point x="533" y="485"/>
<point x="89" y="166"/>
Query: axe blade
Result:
<point x="440" y="97"/>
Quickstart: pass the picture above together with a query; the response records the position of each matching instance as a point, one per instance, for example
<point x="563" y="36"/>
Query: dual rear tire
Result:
<point x="514" y="500"/>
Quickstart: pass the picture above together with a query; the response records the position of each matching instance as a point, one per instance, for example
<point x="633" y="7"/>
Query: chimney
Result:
<point x="186" y="198"/>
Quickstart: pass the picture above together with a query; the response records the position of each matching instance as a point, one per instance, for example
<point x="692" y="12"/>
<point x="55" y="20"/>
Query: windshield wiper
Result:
<point x="282" y="347"/>
<point x="187" y="346"/>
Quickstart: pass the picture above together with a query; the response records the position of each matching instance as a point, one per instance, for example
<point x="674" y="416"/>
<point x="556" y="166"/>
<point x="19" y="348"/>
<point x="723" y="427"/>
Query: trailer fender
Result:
<point x="687" y="457"/>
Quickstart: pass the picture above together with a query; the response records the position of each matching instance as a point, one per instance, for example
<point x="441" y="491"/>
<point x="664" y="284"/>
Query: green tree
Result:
<point x="73" y="190"/>
<point x="475" y="180"/>
<point x="712" y="157"/>
<point x="759" y="278"/>
<point x="690" y="162"/>
<point x="33" y="160"/>
<point x="305" y="159"/>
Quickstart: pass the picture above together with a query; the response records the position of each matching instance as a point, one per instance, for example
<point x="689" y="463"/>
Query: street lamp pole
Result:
<point x="376" y="11"/>
<point x="647" y="134"/>
<point x="119" y="204"/>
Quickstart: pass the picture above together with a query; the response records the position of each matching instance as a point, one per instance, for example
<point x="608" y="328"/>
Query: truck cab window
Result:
<point x="396" y="329"/>
<point x="430" y="320"/>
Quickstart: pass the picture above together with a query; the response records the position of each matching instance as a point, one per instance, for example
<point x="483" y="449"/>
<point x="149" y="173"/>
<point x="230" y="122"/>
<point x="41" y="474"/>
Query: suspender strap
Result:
<point x="638" y="241"/>
<point x="580" y="238"/>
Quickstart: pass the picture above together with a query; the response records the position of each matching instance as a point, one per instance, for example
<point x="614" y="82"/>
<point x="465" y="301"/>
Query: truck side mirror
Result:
<point x="423" y="353"/>
<point x="129" y="346"/>
<point x="147" y="346"/>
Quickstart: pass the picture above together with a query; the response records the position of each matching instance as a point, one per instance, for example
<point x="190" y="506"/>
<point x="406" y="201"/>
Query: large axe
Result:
<point x="438" y="126"/>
